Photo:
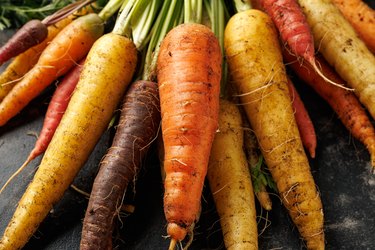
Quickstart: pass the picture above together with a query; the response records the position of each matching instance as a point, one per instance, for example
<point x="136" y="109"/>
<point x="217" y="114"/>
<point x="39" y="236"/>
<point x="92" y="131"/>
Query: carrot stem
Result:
<point x="66" y="11"/>
<point x="109" y="9"/>
<point x="170" y="16"/>
<point x="242" y="5"/>
<point x="192" y="11"/>
<point x="216" y="11"/>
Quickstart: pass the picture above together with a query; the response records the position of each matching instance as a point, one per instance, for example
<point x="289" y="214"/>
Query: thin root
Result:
<point x="16" y="173"/>
<point x="316" y="68"/>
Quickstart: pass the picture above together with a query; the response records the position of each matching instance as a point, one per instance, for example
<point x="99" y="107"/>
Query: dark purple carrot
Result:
<point x="31" y="34"/>
<point x="55" y="111"/>
<point x="137" y="128"/>
<point x="294" y="30"/>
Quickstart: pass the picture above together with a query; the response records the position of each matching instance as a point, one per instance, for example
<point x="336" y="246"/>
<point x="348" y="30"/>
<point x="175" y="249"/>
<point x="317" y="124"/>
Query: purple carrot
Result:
<point x="137" y="128"/>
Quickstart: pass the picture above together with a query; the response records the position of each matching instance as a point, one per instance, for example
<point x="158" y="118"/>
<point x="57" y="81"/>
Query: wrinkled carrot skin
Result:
<point x="291" y="23"/>
<point x="188" y="73"/>
<point x="64" y="51"/>
<point x="102" y="84"/>
<point x="256" y="67"/>
<point x="230" y="182"/>
<point x="304" y="123"/>
<point x="56" y="109"/>
<point x="343" y="102"/>
<point x="361" y="17"/>
<point x="29" y="35"/>
<point x="21" y="64"/>
<point x="137" y="128"/>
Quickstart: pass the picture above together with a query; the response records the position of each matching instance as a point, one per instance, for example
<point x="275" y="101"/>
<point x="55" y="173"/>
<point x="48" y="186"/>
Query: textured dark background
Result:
<point x="341" y="170"/>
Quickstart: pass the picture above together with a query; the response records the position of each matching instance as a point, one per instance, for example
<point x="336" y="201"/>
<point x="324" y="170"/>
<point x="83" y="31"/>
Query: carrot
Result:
<point x="55" y="111"/>
<point x="256" y="67"/>
<point x="304" y="123"/>
<point x="31" y="34"/>
<point x="35" y="31"/>
<point x="68" y="47"/>
<point x="361" y="17"/>
<point x="103" y="82"/>
<point x="344" y="103"/>
<point x="345" y="52"/>
<point x="137" y="128"/>
<point x="188" y="73"/>
<point x="21" y="64"/>
<point x="293" y="28"/>
<point x="230" y="182"/>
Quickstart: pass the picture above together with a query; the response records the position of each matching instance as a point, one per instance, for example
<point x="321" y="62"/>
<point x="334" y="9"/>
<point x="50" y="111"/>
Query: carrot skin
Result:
<point x="304" y="123"/>
<point x="343" y="102"/>
<point x="230" y="182"/>
<point x="29" y="35"/>
<point x="65" y="50"/>
<point x="361" y="17"/>
<point x="189" y="73"/>
<point x="102" y="84"/>
<point x="293" y="28"/>
<point x="56" y="109"/>
<point x="137" y="128"/>
<point x="22" y="63"/>
<point x="340" y="45"/>
<point x="256" y="67"/>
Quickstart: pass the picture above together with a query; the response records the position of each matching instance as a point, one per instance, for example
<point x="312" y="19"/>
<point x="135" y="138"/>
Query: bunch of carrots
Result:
<point x="208" y="80"/>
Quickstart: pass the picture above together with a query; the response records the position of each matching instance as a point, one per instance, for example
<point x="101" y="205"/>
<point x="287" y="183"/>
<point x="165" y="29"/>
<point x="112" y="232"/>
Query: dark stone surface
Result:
<point x="341" y="170"/>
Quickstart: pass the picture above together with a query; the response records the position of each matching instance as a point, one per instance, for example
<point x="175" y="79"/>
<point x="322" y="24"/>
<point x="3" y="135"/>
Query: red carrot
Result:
<point x="304" y="123"/>
<point x="55" y="111"/>
<point x="137" y="128"/>
<point x="294" y="30"/>
<point x="189" y="73"/>
<point x="343" y="102"/>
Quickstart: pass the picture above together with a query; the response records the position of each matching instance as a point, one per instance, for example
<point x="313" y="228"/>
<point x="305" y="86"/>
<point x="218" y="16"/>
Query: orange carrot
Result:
<point x="304" y="123"/>
<point x="65" y="50"/>
<point x="55" y="111"/>
<point x="21" y="64"/>
<point x="189" y="73"/>
<point x="344" y="103"/>
<point x="361" y="17"/>
<point x="35" y="31"/>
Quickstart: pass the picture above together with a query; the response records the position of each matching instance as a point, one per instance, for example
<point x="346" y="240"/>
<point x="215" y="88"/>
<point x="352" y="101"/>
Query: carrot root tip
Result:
<point x="176" y="232"/>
